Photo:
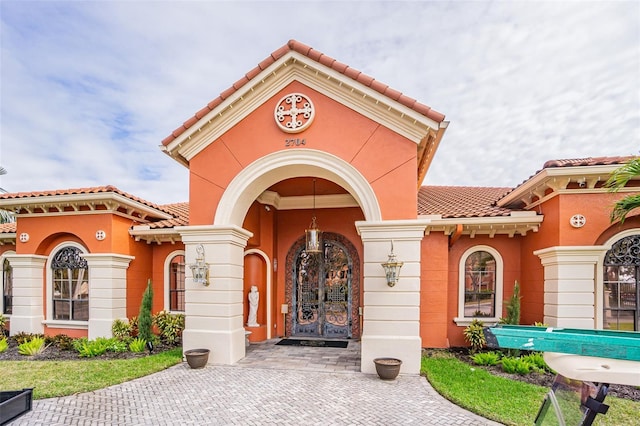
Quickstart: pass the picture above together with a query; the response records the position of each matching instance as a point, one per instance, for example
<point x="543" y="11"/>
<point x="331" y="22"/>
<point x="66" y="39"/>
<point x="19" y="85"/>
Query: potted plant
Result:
<point x="387" y="368"/>
<point x="197" y="358"/>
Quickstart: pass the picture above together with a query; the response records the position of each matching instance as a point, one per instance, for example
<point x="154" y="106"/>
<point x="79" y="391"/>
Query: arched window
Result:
<point x="176" y="283"/>
<point x="480" y="285"/>
<point x="7" y="287"/>
<point x="621" y="289"/>
<point x="70" y="278"/>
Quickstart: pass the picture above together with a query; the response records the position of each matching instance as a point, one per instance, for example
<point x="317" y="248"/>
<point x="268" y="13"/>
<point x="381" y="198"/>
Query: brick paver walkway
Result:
<point x="294" y="388"/>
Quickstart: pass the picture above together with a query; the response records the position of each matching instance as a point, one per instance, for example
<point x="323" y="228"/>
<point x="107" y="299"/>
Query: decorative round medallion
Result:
<point x="578" y="221"/>
<point x="24" y="237"/>
<point x="101" y="235"/>
<point x="294" y="113"/>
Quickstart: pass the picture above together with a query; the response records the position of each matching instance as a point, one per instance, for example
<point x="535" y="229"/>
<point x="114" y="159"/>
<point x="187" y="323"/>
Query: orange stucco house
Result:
<point x="304" y="141"/>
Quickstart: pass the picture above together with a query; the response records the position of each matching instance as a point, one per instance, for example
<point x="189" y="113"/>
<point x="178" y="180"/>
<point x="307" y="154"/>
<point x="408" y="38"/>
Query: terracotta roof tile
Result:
<point x="575" y="162"/>
<point x="461" y="201"/>
<point x="78" y="191"/>
<point x="181" y="213"/>
<point x="8" y="228"/>
<point x="589" y="161"/>
<point x="293" y="45"/>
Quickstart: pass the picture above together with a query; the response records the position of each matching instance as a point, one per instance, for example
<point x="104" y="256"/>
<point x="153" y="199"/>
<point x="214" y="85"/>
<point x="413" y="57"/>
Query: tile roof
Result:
<point x="8" y="228"/>
<point x="181" y="213"/>
<point x="317" y="56"/>
<point x="461" y="201"/>
<point x="589" y="161"/>
<point x="80" y="191"/>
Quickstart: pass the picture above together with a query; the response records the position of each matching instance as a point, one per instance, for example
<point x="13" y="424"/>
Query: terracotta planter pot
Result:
<point x="197" y="358"/>
<point x="387" y="368"/>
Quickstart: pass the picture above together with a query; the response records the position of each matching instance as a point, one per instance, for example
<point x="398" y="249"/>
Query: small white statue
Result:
<point x="254" y="297"/>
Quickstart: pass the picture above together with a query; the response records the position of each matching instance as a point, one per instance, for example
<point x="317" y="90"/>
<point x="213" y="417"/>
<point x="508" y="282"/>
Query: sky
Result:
<point x="89" y="89"/>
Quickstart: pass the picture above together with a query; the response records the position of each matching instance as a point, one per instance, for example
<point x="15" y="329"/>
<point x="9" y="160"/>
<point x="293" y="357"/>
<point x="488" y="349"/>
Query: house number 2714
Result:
<point x="294" y="142"/>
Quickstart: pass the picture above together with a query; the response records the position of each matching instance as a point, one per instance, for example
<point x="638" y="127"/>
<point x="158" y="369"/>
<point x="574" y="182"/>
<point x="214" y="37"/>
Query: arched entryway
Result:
<point x="323" y="289"/>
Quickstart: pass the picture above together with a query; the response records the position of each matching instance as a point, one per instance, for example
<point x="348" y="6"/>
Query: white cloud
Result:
<point x="89" y="89"/>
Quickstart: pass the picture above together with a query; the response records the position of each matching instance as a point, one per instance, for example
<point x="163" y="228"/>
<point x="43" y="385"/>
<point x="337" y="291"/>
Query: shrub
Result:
<point x="61" y="341"/>
<point x="32" y="347"/>
<point x="121" y="329"/>
<point x="90" y="348"/>
<point x="513" y="307"/>
<point x="3" y="323"/>
<point x="116" y="345"/>
<point x="540" y="324"/>
<point x="474" y="334"/>
<point x="23" y="337"/>
<point x="3" y="344"/>
<point x="536" y="359"/>
<point x="486" y="358"/>
<point x="170" y="326"/>
<point x="516" y="366"/>
<point x="137" y="345"/>
<point x="133" y="322"/>
<point x="145" y="321"/>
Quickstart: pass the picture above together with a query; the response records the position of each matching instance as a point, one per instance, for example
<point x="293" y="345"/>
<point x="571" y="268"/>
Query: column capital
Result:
<point x="570" y="254"/>
<point x="397" y="230"/>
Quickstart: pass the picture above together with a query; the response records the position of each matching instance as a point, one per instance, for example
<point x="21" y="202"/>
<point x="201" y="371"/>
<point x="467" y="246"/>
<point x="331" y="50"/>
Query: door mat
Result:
<point x="314" y="343"/>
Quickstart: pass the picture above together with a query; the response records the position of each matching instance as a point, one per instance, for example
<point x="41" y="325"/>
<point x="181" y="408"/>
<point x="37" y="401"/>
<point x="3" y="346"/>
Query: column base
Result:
<point x="30" y="324"/>
<point x="406" y="348"/>
<point x="226" y="347"/>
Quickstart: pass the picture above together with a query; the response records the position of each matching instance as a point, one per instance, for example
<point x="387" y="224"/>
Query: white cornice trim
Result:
<point x="519" y="223"/>
<point x="332" y="201"/>
<point x="112" y="202"/>
<point x="8" y="238"/>
<point x="158" y="236"/>
<point x="557" y="179"/>
<point x="294" y="66"/>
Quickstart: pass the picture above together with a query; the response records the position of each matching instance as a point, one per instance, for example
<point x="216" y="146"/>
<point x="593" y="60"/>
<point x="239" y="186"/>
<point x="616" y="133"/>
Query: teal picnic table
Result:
<point x="587" y="362"/>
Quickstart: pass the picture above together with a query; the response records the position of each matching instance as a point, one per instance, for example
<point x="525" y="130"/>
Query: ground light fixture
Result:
<point x="313" y="234"/>
<point x="200" y="270"/>
<point x="392" y="268"/>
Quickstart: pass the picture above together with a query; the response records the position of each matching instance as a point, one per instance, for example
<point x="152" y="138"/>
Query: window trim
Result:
<point x="463" y="321"/>
<point x="3" y="257"/>
<point x="49" y="321"/>
<point x="599" y="278"/>
<point x="167" y="279"/>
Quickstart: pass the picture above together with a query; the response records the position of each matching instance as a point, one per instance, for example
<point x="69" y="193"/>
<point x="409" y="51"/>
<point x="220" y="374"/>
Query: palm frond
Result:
<point x="6" y="216"/>
<point x="623" y="174"/>
<point x="623" y="207"/>
<point x="3" y="171"/>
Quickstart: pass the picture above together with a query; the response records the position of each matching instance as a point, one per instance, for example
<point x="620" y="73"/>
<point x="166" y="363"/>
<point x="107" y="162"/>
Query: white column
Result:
<point x="107" y="291"/>
<point x="213" y="313"/>
<point x="570" y="282"/>
<point x="28" y="293"/>
<point x="391" y="326"/>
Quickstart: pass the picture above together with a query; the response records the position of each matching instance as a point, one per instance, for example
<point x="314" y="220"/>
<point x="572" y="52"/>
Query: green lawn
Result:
<point x="503" y="400"/>
<point x="60" y="378"/>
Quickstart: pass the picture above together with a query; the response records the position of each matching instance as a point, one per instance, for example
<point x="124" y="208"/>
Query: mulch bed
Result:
<point x="542" y="379"/>
<point x="53" y="353"/>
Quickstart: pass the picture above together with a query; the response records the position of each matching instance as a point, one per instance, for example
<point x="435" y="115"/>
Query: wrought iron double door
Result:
<point x="322" y="293"/>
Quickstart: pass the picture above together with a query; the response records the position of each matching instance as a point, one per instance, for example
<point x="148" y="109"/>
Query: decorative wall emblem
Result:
<point x="24" y="237"/>
<point x="578" y="221"/>
<point x="100" y="235"/>
<point x="294" y="113"/>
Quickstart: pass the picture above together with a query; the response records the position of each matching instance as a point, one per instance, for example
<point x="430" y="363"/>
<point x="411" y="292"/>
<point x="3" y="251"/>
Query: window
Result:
<point x="7" y="287"/>
<point x="621" y="289"/>
<point x="176" y="283"/>
<point x="70" y="277"/>
<point x="480" y="286"/>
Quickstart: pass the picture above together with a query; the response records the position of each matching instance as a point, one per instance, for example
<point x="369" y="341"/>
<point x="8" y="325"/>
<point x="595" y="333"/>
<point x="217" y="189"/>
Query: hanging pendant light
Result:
<point x="313" y="234"/>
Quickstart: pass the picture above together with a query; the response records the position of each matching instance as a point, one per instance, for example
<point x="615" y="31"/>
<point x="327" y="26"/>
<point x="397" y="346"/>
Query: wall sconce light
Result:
<point x="200" y="269"/>
<point x="392" y="268"/>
